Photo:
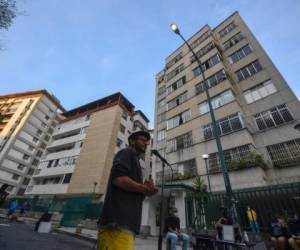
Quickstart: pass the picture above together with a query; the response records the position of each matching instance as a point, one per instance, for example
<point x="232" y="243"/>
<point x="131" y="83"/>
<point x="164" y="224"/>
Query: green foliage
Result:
<point x="2" y="117"/>
<point x="8" y="12"/>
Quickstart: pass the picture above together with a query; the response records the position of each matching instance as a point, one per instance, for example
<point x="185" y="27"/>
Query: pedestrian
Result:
<point x="173" y="231"/>
<point x="3" y="193"/>
<point x="120" y="219"/>
<point x="252" y="217"/>
<point x="45" y="217"/>
<point x="12" y="209"/>
<point x="223" y="220"/>
<point x="279" y="232"/>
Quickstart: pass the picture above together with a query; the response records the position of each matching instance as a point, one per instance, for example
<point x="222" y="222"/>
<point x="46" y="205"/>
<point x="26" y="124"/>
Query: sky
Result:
<point x="82" y="51"/>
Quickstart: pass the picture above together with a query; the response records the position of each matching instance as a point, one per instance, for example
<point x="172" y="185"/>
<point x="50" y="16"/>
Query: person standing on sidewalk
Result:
<point x="252" y="217"/>
<point x="120" y="219"/>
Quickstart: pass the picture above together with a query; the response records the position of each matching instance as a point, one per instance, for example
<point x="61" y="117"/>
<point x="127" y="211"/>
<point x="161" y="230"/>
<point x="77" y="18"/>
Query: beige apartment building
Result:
<point x="28" y="122"/>
<point x="255" y="109"/>
<point x="79" y="157"/>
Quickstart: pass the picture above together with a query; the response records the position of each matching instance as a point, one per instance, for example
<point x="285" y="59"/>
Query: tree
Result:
<point x="2" y="117"/>
<point x="8" y="12"/>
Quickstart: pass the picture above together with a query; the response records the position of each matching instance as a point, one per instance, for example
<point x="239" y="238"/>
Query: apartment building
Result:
<point x="255" y="109"/>
<point x="79" y="158"/>
<point x="27" y="123"/>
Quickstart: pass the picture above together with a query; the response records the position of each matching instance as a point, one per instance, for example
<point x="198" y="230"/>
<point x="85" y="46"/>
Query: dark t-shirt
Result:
<point x="172" y="222"/>
<point x="123" y="208"/>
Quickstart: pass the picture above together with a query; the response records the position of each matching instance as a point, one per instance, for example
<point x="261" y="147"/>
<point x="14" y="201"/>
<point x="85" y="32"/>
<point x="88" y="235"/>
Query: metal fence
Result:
<point x="74" y="209"/>
<point x="267" y="201"/>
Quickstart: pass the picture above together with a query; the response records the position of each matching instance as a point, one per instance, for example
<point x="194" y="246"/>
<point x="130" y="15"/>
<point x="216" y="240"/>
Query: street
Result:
<point x="18" y="236"/>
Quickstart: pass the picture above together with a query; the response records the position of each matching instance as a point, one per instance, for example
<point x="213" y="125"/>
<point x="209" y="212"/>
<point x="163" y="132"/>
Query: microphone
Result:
<point x="157" y="154"/>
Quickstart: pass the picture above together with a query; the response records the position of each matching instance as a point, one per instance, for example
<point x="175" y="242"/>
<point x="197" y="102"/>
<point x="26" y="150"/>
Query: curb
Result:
<point x="76" y="235"/>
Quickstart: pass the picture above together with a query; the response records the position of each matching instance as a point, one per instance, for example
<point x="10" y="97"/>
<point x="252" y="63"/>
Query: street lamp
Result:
<point x="230" y="197"/>
<point x="205" y="158"/>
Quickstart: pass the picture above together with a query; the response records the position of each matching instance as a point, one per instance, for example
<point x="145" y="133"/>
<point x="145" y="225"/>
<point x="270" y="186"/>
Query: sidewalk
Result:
<point x="150" y="243"/>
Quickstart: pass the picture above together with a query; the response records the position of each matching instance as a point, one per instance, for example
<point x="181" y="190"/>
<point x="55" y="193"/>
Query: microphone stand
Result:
<point x="164" y="161"/>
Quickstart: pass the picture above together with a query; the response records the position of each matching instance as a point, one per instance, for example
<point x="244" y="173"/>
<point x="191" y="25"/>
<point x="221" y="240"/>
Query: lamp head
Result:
<point x="205" y="156"/>
<point x="175" y="28"/>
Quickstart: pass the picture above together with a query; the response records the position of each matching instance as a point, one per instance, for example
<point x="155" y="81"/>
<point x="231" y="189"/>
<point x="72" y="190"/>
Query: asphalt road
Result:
<point x="18" y="236"/>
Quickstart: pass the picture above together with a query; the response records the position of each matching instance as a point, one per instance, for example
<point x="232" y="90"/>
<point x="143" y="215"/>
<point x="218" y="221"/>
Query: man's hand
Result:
<point x="149" y="187"/>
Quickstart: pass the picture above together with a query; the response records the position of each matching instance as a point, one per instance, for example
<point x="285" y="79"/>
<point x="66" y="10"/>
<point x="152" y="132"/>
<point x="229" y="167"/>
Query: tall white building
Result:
<point x="29" y="120"/>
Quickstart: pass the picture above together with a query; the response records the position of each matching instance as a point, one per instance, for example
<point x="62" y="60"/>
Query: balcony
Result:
<point x="58" y="170"/>
<point x="66" y="141"/>
<point x="47" y="189"/>
<point x="179" y="173"/>
<point x="236" y="159"/>
<point x="62" y="154"/>
<point x="70" y="128"/>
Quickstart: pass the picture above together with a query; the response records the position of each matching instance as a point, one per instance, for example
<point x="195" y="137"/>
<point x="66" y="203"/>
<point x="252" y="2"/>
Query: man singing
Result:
<point x="121" y="215"/>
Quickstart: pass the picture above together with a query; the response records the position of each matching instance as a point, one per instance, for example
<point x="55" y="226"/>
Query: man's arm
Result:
<point x="126" y="183"/>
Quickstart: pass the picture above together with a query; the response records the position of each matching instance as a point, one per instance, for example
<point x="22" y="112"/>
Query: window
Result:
<point x="285" y="154"/>
<point x="273" y="117"/>
<point x="39" y="132"/>
<point x="35" y="162"/>
<point x="174" y="60"/>
<point x="124" y="115"/>
<point x="207" y="64"/>
<point x="50" y="131"/>
<point x="175" y="72"/>
<point x="259" y="91"/>
<point x="227" y="29"/>
<point x="212" y="81"/>
<point x="15" y="177"/>
<point x="67" y="178"/>
<point x="56" y="180"/>
<point x="47" y="138"/>
<point x="21" y="191"/>
<point x="34" y="139"/>
<point x="239" y="54"/>
<point x="161" y="90"/>
<point x="180" y="82"/>
<point x="122" y="128"/>
<point x="43" y="145"/>
<point x="44" y="125"/>
<point x="21" y="167"/>
<point x="26" y="181"/>
<point x="203" y="51"/>
<point x="56" y="163"/>
<point x="161" y="103"/>
<point x="218" y="101"/>
<point x="39" y="153"/>
<point x="224" y="126"/>
<point x="161" y="134"/>
<point x="119" y="142"/>
<point x="30" y="171"/>
<point x="200" y="39"/>
<point x="233" y="40"/>
<point x="180" y="142"/>
<point x="49" y="164"/>
<point x="47" y="117"/>
<point x="30" y="148"/>
<point x="25" y="157"/>
<point x="248" y="70"/>
<point x="177" y="101"/>
<point x="179" y="119"/>
<point x="161" y="117"/>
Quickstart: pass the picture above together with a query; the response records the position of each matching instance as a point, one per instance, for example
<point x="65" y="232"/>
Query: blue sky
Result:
<point x="84" y="50"/>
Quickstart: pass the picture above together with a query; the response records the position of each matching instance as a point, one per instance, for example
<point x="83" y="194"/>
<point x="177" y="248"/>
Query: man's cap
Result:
<point x="139" y="133"/>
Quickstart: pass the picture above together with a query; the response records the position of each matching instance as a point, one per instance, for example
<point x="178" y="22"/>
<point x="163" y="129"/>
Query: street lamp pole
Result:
<point x="230" y="197"/>
<point x="205" y="157"/>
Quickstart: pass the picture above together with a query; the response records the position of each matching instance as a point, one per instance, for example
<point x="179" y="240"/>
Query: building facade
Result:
<point x="79" y="157"/>
<point x="255" y="110"/>
<point x="27" y="124"/>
